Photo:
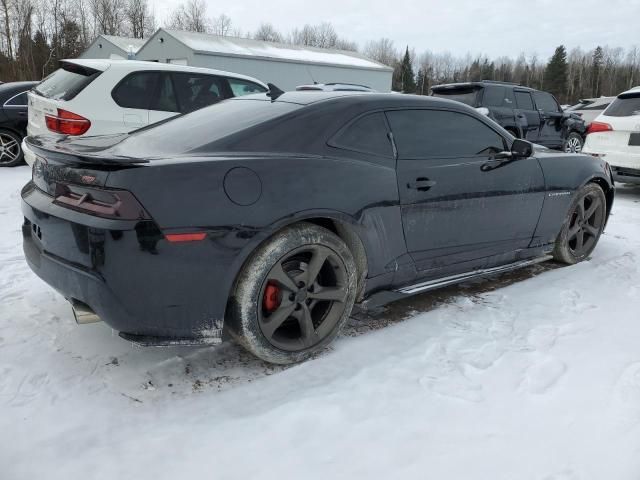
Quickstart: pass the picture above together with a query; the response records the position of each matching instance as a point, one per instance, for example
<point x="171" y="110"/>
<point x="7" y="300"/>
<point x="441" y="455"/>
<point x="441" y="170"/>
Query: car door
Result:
<point x="551" y="119"/>
<point x="16" y="111"/>
<point x="528" y="118"/>
<point x="458" y="204"/>
<point x="134" y="94"/>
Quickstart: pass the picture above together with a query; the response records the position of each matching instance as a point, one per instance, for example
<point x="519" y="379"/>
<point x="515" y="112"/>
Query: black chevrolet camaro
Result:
<point x="267" y="217"/>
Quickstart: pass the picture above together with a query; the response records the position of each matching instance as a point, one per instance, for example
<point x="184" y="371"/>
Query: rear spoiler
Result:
<point x="63" y="150"/>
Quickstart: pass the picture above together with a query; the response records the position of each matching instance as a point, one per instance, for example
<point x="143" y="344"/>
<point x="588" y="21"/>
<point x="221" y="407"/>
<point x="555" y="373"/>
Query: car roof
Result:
<point x="16" y="86"/>
<point x="481" y="83"/>
<point x="138" y="65"/>
<point x="373" y="99"/>
<point x="634" y="90"/>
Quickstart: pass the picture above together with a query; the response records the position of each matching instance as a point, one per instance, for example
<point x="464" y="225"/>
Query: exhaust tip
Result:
<point x="83" y="313"/>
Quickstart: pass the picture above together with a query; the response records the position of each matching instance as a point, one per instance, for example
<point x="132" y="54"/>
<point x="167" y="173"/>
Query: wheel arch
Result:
<point x="607" y="188"/>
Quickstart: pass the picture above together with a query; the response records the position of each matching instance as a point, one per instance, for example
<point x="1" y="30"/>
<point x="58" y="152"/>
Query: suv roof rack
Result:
<point x="500" y="82"/>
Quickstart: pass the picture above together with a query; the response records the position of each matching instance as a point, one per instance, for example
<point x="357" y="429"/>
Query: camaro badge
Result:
<point x="559" y="194"/>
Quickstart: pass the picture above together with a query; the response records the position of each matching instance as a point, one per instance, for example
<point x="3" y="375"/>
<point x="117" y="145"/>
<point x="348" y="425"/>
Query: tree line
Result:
<point x="36" y="34"/>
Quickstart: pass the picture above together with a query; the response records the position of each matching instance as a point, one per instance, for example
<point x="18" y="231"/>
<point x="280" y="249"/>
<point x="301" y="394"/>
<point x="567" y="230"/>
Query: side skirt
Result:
<point x="381" y="298"/>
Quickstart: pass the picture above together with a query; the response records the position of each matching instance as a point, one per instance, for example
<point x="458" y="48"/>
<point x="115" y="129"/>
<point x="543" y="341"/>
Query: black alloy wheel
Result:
<point x="303" y="298"/>
<point x="584" y="225"/>
<point x="293" y="295"/>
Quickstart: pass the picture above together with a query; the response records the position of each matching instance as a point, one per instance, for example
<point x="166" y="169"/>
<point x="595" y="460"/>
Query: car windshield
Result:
<point x="624" y="106"/>
<point x="467" y="96"/>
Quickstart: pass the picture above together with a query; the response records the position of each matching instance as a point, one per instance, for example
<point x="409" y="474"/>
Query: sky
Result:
<point x="491" y="27"/>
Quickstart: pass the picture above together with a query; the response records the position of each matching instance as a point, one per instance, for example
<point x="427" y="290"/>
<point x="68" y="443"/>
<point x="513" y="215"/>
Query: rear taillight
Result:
<point x="100" y="202"/>
<point x="595" y="127"/>
<point x="68" y="123"/>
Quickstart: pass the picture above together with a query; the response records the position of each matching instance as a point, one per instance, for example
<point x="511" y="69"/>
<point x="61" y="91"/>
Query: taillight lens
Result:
<point x="100" y="202"/>
<point x="595" y="127"/>
<point x="68" y="123"/>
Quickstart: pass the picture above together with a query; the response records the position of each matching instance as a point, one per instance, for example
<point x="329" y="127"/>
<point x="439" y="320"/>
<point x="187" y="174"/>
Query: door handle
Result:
<point x="421" y="184"/>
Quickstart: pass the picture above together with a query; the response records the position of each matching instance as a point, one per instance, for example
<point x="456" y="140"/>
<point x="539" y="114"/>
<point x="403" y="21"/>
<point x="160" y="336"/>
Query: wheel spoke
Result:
<point x="573" y="231"/>
<point x="280" y="276"/>
<point x="12" y="143"/>
<point x="334" y="294"/>
<point x="579" y="240"/>
<point x="271" y="324"/>
<point x="580" y="209"/>
<point x="317" y="261"/>
<point x="591" y="230"/>
<point x="306" y="326"/>
<point x="595" y="204"/>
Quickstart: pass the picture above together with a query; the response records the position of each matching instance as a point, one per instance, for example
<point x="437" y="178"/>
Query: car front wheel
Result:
<point x="293" y="295"/>
<point x="583" y="226"/>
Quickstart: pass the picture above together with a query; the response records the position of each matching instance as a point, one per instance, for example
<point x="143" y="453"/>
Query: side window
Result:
<point x="509" y="99"/>
<point x="196" y="91"/>
<point x="136" y="90"/>
<point x="19" y="100"/>
<point x="523" y="100"/>
<point x="165" y="100"/>
<point x="546" y="102"/>
<point x="368" y="134"/>
<point x="423" y="134"/>
<point x="243" y="87"/>
<point x="493" y="97"/>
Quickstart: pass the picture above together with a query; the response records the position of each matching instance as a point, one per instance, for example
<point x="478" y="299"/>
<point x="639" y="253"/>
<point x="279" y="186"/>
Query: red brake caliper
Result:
<point x="271" y="299"/>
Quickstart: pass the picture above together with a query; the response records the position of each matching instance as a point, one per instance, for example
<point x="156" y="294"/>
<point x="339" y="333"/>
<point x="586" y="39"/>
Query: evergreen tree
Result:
<point x="596" y="67"/>
<point x="407" y="77"/>
<point x="555" y="75"/>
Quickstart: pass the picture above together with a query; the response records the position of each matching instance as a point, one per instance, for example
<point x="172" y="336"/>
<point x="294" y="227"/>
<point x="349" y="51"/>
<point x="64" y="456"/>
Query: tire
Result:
<point x="573" y="143"/>
<point x="293" y="295"/>
<point x="10" y="149"/>
<point x="583" y="226"/>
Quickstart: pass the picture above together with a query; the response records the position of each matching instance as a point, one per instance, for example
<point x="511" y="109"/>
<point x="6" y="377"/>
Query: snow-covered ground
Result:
<point x="533" y="376"/>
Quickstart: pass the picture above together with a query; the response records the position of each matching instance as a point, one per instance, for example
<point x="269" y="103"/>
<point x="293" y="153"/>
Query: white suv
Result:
<point x="615" y="136"/>
<point x="99" y="97"/>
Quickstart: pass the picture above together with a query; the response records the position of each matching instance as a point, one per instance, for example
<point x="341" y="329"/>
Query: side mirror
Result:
<point x="521" y="148"/>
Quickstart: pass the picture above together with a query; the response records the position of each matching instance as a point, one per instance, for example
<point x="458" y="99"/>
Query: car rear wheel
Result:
<point x="10" y="149"/>
<point x="294" y="295"/>
<point x="573" y="143"/>
<point x="583" y="226"/>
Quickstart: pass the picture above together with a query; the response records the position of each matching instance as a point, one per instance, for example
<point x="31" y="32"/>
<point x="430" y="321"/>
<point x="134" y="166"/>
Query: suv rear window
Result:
<point x="624" y="106"/>
<point x="66" y="82"/>
<point x="467" y="95"/>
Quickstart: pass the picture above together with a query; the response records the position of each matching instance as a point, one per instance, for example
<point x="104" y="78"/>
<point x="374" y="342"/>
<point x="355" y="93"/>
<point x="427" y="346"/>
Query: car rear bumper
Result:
<point x="626" y="175"/>
<point x="132" y="278"/>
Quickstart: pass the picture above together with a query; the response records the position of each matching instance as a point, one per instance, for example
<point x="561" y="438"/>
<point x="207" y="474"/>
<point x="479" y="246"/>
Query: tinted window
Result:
<point x="467" y="96"/>
<point x="165" y="100"/>
<point x="19" y="100"/>
<point x="546" y="102"/>
<point x="523" y="100"/>
<point x="66" y="82"/>
<point x="602" y="106"/>
<point x="367" y="134"/>
<point x="196" y="91"/>
<point x="198" y="129"/>
<point x="626" y="106"/>
<point x="433" y="133"/>
<point x="493" y="97"/>
<point x="243" y="87"/>
<point x="136" y="90"/>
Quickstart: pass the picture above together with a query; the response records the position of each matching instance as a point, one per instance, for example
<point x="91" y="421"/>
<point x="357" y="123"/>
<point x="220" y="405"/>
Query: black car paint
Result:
<point x="543" y="127"/>
<point x="14" y="118"/>
<point x="141" y="284"/>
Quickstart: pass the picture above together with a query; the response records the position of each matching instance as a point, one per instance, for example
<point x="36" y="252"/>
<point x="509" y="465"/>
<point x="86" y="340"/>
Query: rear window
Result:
<point x="624" y="106"/>
<point x="202" y="127"/>
<point x="467" y="96"/>
<point x="66" y="82"/>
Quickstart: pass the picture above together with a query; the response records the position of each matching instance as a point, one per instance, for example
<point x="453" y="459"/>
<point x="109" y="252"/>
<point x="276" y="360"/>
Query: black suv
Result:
<point x="526" y="113"/>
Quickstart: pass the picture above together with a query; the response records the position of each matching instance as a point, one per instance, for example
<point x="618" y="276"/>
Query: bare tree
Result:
<point x="141" y="22"/>
<point x="221" y="25"/>
<point x="382" y="51"/>
<point x="191" y="16"/>
<point x="267" y="33"/>
<point x="109" y="16"/>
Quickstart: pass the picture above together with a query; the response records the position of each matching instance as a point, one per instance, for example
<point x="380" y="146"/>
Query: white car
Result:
<point x="615" y="136"/>
<point x="101" y="97"/>
<point x="590" y="108"/>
